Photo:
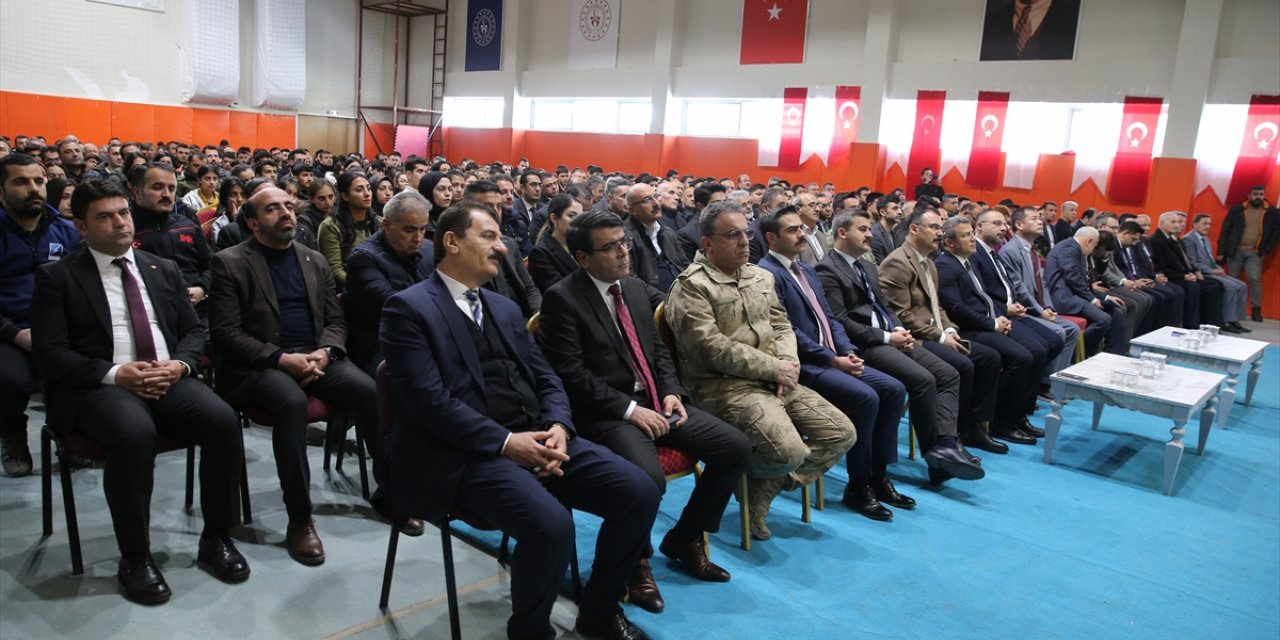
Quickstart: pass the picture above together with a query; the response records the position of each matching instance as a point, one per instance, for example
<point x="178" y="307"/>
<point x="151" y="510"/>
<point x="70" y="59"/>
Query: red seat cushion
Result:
<point x="675" y="461"/>
<point x="1076" y="320"/>
<point x="317" y="411"/>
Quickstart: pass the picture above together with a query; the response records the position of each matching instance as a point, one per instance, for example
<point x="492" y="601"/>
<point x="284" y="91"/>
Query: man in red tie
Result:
<point x="598" y="333"/>
<point x="117" y="340"/>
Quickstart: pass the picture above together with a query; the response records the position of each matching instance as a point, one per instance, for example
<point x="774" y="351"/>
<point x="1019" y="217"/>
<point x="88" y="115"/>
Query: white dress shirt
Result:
<point x="786" y="264"/>
<point x="123" y="349"/>
<point x="875" y="317"/>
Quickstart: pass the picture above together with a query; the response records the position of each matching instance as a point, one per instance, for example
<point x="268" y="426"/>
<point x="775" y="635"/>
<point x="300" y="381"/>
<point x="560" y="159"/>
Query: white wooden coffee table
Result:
<point x="1228" y="354"/>
<point x="1177" y="393"/>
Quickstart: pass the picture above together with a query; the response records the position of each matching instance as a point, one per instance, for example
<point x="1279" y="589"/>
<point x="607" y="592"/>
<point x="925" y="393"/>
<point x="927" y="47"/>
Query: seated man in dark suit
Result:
<point x="1130" y="259"/>
<point x="852" y="287"/>
<point x="278" y="337"/>
<point x="1067" y="281"/>
<point x="513" y="279"/>
<point x="980" y="320"/>
<point x="395" y="258"/>
<point x="703" y="196"/>
<point x="657" y="258"/>
<point x="1203" y="303"/>
<point x="482" y="425"/>
<point x="116" y="339"/>
<point x="882" y="240"/>
<point x="829" y="364"/>
<point x="592" y="321"/>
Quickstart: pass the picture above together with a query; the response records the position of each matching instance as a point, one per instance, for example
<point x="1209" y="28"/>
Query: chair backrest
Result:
<point x="534" y="323"/>
<point x="665" y="334"/>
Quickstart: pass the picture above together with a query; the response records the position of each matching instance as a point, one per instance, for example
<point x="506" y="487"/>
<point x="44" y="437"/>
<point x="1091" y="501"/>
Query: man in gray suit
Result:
<point x="819" y="242"/>
<point x="1025" y="271"/>
<point x="1069" y="291"/>
<point x="1196" y="243"/>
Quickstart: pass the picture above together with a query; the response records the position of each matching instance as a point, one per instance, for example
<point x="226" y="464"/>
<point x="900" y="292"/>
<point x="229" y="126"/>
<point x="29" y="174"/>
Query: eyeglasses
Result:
<point x="644" y="200"/>
<point x="737" y="234"/>
<point x="619" y="247"/>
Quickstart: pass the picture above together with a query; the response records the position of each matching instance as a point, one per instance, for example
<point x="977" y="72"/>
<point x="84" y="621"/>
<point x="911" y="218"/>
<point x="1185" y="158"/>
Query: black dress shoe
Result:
<point x="16" y="456"/>
<point x="1012" y="434"/>
<point x="938" y="476"/>
<point x="413" y="527"/>
<point x="1240" y="328"/>
<point x="954" y="462"/>
<point x="1026" y="427"/>
<point x="693" y="558"/>
<point x="860" y="497"/>
<point x="642" y="590"/>
<point x="614" y="626"/>
<point x="141" y="580"/>
<point x="1229" y="328"/>
<point x="888" y="494"/>
<point x="219" y="554"/>
<point x="979" y="439"/>
<point x="1257" y="314"/>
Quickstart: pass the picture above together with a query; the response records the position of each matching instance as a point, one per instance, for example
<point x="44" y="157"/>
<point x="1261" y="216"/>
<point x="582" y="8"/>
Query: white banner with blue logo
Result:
<point x="593" y="34"/>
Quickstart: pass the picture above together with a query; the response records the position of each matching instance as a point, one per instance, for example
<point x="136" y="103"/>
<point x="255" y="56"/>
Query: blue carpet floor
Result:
<point x="1085" y="548"/>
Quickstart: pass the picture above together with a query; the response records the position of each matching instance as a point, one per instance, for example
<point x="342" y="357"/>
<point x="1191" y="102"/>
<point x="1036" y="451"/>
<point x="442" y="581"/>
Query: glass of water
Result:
<point x="1211" y="332"/>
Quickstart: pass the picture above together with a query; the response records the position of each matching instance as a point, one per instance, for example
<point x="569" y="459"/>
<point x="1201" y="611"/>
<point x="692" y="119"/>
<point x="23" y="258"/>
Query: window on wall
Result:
<point x="480" y="113"/>
<point x="730" y="118"/>
<point x="595" y="115"/>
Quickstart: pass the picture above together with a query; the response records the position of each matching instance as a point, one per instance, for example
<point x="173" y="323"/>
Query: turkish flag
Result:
<point x="793" y="100"/>
<point x="1258" y="146"/>
<point x="1132" y="165"/>
<point x="845" y="131"/>
<point x="988" y="138"/>
<point x="773" y="31"/>
<point x="926" y="144"/>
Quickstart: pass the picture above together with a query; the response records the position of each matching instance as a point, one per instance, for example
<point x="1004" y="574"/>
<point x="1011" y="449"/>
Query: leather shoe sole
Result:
<point x="955" y="468"/>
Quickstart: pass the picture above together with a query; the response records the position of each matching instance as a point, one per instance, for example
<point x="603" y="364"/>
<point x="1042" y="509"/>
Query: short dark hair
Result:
<point x="16" y="159"/>
<point x="702" y="194"/>
<point x="138" y="176"/>
<point x="1199" y="217"/>
<point x="769" y="221"/>
<point x="479" y="187"/>
<point x="91" y="191"/>
<point x="457" y="219"/>
<point x="415" y="162"/>
<point x="1020" y="214"/>
<point x="579" y="235"/>
<point x="1130" y="226"/>
<point x="844" y="219"/>
<point x="1106" y="240"/>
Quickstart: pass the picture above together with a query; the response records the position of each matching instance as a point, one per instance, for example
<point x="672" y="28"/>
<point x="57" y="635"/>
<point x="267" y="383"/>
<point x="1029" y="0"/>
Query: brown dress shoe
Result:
<point x="643" y="591"/>
<point x="304" y="543"/>
<point x="693" y="558"/>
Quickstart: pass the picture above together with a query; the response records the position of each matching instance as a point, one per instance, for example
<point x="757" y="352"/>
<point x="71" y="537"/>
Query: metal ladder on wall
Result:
<point x="435" y="144"/>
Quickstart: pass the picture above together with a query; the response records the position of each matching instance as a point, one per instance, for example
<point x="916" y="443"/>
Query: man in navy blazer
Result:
<point x="483" y="425"/>
<point x="981" y="320"/>
<point x="829" y="365"/>
<point x="1067" y="281"/>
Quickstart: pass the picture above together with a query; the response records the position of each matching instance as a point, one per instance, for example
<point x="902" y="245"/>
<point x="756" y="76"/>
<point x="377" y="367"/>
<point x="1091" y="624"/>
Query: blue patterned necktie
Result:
<point x="477" y="313"/>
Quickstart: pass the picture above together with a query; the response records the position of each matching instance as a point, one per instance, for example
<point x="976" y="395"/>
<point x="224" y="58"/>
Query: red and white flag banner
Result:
<point x="773" y="31"/>
<point x="1131" y="168"/>
<point x="926" y="143"/>
<point x="848" y="105"/>
<point x="988" y="138"/>
<point x="1258" y="145"/>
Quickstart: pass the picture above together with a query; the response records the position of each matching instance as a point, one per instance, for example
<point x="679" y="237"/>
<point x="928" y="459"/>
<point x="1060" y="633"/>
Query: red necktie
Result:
<point x="633" y="346"/>
<point x="817" y="308"/>
<point x="1037" y="266"/>
<point x="144" y="345"/>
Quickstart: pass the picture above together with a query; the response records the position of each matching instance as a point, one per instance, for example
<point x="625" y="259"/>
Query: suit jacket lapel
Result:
<point x="461" y="335"/>
<point x="587" y="289"/>
<point x="151" y="277"/>
<point x="258" y="265"/>
<point x="85" y="271"/>
<point x="630" y="295"/>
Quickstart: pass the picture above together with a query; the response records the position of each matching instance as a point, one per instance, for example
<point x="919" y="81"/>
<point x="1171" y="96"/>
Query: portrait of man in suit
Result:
<point x="1030" y="30"/>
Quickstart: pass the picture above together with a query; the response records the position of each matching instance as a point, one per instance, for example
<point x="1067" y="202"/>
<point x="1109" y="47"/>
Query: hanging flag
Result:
<point x="593" y="34"/>
<point x="988" y="136"/>
<point x="484" y="35"/>
<point x="1259" y="141"/>
<point x="1131" y="167"/>
<point x="773" y="31"/>
<point x="926" y="144"/>
<point x="793" y="105"/>
<point x="845" y="127"/>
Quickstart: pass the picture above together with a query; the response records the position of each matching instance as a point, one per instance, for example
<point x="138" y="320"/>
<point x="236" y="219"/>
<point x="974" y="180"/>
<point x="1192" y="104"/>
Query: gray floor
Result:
<point x="39" y="598"/>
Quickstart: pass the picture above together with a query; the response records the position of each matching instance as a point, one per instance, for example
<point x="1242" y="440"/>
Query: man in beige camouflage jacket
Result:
<point x="738" y="355"/>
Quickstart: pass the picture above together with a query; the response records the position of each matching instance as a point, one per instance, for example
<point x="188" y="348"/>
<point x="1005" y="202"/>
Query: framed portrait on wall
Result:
<point x="1030" y="30"/>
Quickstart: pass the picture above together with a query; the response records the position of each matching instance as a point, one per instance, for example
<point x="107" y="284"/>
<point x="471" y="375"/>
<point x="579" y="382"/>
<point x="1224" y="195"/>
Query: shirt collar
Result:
<point x="782" y="260"/>
<point x="457" y="290"/>
<point x="601" y="285"/>
<point x="848" y="258"/>
<point x="104" y="261"/>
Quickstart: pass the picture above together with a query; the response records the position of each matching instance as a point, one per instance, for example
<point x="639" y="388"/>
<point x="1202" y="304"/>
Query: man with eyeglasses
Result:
<point x="658" y="258"/>
<point x="740" y="362"/>
<point x="817" y="243"/>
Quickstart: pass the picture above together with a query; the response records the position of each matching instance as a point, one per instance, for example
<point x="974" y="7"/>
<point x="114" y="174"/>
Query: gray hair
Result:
<point x="405" y="202"/>
<point x="1170" y="216"/>
<point x="1085" y="233"/>
<point x="707" y="219"/>
<point x="949" y="227"/>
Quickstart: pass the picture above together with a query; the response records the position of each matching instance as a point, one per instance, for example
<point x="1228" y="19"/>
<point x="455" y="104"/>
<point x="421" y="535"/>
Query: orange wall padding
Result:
<point x="1170" y="187"/>
<point x="379" y="137"/>
<point x="100" y="120"/>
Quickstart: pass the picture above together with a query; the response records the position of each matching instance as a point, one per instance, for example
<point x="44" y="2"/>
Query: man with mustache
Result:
<point x="1250" y="231"/>
<point x="163" y="228"/>
<point x="31" y="233"/>
<point x="279" y="337"/>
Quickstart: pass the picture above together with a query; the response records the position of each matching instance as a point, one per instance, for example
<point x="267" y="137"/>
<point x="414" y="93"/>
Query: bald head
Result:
<point x="642" y="205"/>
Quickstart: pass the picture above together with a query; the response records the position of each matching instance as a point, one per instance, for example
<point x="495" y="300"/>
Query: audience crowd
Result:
<point x="554" y="338"/>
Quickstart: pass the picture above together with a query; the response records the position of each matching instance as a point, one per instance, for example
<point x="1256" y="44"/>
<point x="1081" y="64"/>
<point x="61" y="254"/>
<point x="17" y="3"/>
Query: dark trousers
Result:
<point x="125" y="425"/>
<point x="532" y="511"/>
<point x="1021" y="369"/>
<point x="17" y="381"/>
<point x="933" y="388"/>
<point x="874" y="402"/>
<point x="1202" y="303"/>
<point x="343" y="385"/>
<point x="979" y="377"/>
<point x="1166" y="306"/>
<point x="1105" y="323"/>
<point x="723" y="449"/>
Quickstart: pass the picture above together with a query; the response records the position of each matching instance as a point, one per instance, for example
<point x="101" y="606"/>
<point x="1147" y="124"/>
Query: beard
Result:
<point x="25" y="209"/>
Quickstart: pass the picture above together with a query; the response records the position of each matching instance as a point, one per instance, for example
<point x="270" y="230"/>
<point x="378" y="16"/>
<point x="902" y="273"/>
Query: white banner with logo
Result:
<point x="279" y="53"/>
<point x="593" y="34"/>
<point x="210" y="68"/>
